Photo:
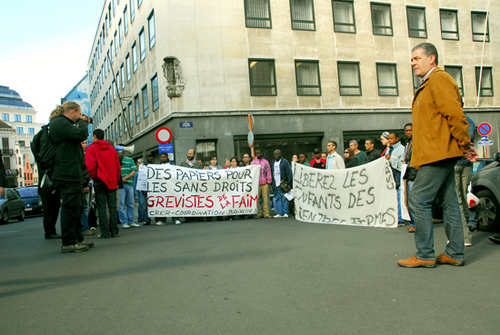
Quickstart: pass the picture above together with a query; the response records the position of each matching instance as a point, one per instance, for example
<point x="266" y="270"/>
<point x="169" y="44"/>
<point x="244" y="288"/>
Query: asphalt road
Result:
<point x="267" y="276"/>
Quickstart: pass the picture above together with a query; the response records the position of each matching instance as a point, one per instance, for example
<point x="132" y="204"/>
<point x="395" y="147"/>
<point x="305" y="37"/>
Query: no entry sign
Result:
<point x="484" y="129"/>
<point x="163" y="135"/>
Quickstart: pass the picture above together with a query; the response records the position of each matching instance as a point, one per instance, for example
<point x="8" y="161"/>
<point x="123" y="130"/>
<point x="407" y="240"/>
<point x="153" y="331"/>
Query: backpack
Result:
<point x="43" y="148"/>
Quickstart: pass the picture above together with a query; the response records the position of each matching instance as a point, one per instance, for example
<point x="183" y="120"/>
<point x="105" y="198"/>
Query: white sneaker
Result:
<point x="135" y="225"/>
<point x="92" y="228"/>
<point x="160" y="223"/>
<point x="277" y="216"/>
<point x="285" y="215"/>
<point x="125" y="226"/>
<point x="177" y="221"/>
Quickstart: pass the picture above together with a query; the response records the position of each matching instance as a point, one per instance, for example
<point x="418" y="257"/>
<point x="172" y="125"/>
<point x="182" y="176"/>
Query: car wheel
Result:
<point x="21" y="217"/>
<point x="487" y="211"/>
<point x="5" y="216"/>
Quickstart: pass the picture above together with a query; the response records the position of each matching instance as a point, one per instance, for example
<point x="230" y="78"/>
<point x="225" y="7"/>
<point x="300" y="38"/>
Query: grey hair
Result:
<point x="429" y="49"/>
<point x="353" y="141"/>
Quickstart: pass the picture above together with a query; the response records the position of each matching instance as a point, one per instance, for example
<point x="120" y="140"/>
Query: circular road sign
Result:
<point x="163" y="135"/>
<point x="250" y="139"/>
<point x="484" y="129"/>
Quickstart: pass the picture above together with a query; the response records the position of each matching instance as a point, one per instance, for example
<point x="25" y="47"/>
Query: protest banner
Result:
<point x="179" y="191"/>
<point x="360" y="196"/>
<point x="142" y="178"/>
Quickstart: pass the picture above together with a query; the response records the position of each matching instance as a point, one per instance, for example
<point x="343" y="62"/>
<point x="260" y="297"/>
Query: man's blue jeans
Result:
<point x="142" y="210"/>
<point x="280" y="202"/>
<point x="432" y="179"/>
<point x="126" y="211"/>
<point x="409" y="186"/>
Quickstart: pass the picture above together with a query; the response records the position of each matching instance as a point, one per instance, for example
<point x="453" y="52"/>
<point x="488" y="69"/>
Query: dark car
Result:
<point x="32" y="201"/>
<point x="486" y="186"/>
<point x="11" y="206"/>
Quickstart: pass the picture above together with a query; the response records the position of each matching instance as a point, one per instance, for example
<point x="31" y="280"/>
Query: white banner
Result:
<point x="361" y="196"/>
<point x="142" y="178"/>
<point x="179" y="191"/>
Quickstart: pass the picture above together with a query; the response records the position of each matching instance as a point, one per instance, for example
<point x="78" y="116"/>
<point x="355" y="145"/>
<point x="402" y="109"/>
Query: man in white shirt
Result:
<point x="333" y="160"/>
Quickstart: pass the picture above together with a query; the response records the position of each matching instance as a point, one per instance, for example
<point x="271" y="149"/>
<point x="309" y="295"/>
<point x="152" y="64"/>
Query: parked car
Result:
<point x="486" y="186"/>
<point x="32" y="201"/>
<point x="11" y="206"/>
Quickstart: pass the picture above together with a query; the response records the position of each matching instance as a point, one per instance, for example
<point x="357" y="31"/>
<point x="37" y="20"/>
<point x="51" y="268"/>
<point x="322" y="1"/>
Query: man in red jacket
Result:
<point x="104" y="168"/>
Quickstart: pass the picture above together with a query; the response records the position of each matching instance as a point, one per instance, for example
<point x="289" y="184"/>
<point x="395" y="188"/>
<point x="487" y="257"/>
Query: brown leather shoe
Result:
<point x="411" y="229"/>
<point x="414" y="262"/>
<point x="443" y="259"/>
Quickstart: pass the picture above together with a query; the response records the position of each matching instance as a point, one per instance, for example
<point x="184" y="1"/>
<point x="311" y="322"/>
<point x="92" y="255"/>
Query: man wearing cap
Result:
<point x="317" y="162"/>
<point x="128" y="171"/>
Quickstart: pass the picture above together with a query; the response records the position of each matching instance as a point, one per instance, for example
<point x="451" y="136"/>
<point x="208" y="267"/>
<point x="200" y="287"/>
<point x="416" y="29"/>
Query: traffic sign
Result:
<point x="163" y="135"/>
<point x="250" y="139"/>
<point x="485" y="143"/>
<point x="484" y="129"/>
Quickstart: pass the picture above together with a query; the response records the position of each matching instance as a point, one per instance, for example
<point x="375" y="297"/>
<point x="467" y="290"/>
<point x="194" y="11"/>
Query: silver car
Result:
<point x="486" y="186"/>
<point x="11" y="206"/>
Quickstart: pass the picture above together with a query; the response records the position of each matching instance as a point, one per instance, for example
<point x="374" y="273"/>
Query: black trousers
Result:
<point x="50" y="204"/>
<point x="106" y="198"/>
<point x="71" y="211"/>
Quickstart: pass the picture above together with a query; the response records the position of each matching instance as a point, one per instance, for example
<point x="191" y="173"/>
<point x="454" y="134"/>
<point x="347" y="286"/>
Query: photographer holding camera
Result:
<point x="68" y="130"/>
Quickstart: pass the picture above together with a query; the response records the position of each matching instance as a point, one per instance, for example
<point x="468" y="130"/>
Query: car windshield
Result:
<point x="28" y="192"/>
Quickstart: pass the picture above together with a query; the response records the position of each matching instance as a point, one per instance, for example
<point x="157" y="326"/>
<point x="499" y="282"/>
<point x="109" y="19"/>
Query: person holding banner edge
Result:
<point x="440" y="139"/>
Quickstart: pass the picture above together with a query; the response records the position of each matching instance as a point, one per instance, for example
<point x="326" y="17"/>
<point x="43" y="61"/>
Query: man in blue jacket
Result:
<point x="281" y="170"/>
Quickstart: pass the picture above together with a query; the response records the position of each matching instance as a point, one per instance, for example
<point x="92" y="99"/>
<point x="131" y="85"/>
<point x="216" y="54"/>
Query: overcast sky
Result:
<point x="45" y="47"/>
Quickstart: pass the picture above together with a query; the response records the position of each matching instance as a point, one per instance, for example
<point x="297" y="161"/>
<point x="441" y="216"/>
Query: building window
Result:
<point x="29" y="118"/>
<point x="122" y="75"/>
<point x="134" y="56"/>
<point x="21" y="144"/>
<point x="125" y="20"/>
<point x="154" y="88"/>
<point x="449" y="24"/>
<point x="486" y="81"/>
<point x="349" y="78"/>
<point x="111" y="53"/>
<point x="131" y="111"/>
<point x="115" y="38"/>
<point x="262" y="77"/>
<point x="152" y="30"/>
<point x="110" y="97"/>
<point x="456" y="73"/>
<point x="120" y="32"/>
<point x="118" y="82"/>
<point x="5" y="117"/>
<point x="119" y="122"/>
<point x="139" y="3"/>
<point x="205" y="149"/>
<point x="114" y="90"/>
<point x="127" y="63"/>
<point x="307" y="76"/>
<point x="416" y="22"/>
<point x="302" y="12"/>
<point x="381" y="19"/>
<point x="31" y="131"/>
<point x="137" y="109"/>
<point x="479" y="27"/>
<point x="387" y="77"/>
<point x="145" y="103"/>
<point x="258" y="13"/>
<point x="132" y="10"/>
<point x="19" y="130"/>
<point x="343" y="16"/>
<point x="17" y="117"/>
<point x="142" y="44"/>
